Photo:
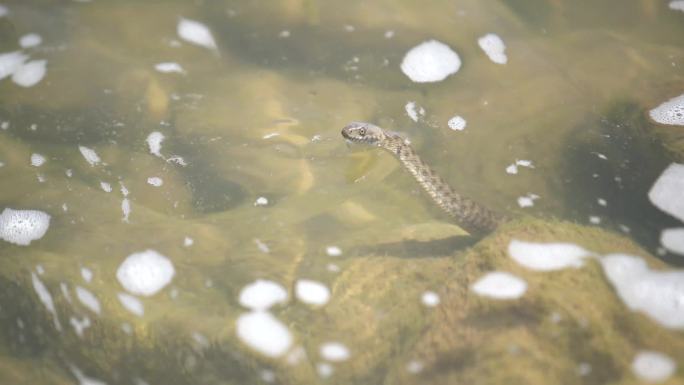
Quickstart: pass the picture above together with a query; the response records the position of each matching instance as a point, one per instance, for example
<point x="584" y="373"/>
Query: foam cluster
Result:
<point x="666" y="193"/>
<point x="430" y="61"/>
<point x="30" y="40"/>
<point x="145" y="273"/>
<point x="334" y="351"/>
<point x="30" y="74"/>
<point x="262" y="294"/>
<point x="457" y="123"/>
<point x="196" y="33"/>
<point x="500" y="285"/>
<point x="547" y="256"/>
<point x="670" y="112"/>
<point x="673" y="240"/>
<point x="154" y="142"/>
<point x="90" y="155"/>
<point x="21" y="227"/>
<point x="655" y="293"/>
<point x="494" y="47"/>
<point x="259" y="329"/>
<point x="312" y="292"/>
<point x="169" y="67"/>
<point x="264" y="333"/>
<point x="653" y="366"/>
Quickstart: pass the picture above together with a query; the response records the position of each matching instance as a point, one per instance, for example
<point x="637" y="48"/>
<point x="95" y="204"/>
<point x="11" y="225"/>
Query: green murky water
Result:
<point x="252" y="181"/>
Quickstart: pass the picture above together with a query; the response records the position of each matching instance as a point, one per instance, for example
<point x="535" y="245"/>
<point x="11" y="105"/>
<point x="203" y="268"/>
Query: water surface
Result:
<point x="228" y="164"/>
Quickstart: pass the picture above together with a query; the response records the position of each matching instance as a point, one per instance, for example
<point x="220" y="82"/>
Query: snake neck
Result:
<point x="470" y="215"/>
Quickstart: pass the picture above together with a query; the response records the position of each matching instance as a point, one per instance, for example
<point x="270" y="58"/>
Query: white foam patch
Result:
<point x="46" y="298"/>
<point x="106" y="187"/>
<point x="547" y="256"/>
<point x="677" y="5"/>
<point x="65" y="291"/>
<point x="430" y="298"/>
<point x="267" y="376"/>
<point x="334" y="352"/>
<point x="21" y="227"/>
<point x="264" y="333"/>
<point x="154" y="143"/>
<point x="80" y="325"/>
<point x="670" y="112"/>
<point x="124" y="190"/>
<point x="333" y="268"/>
<point x="37" y="160"/>
<point x="30" y="40"/>
<point x="169" y="67"/>
<point x="86" y="274"/>
<point x="500" y="285"/>
<point x="513" y="168"/>
<point x="131" y="304"/>
<point x="653" y="366"/>
<point x="494" y="47"/>
<point x="527" y="200"/>
<point x="3" y="11"/>
<point x="414" y="111"/>
<point x="262" y="294"/>
<point x="145" y="273"/>
<point x="261" y="201"/>
<point x="83" y="379"/>
<point x="312" y="292"/>
<point x="126" y="209"/>
<point x="414" y="367"/>
<point x="430" y="61"/>
<point x="90" y="155"/>
<point x="155" y="181"/>
<point x="457" y="123"/>
<point x="177" y="160"/>
<point x="88" y="299"/>
<point x="583" y="369"/>
<point x="10" y="62"/>
<point x="666" y="193"/>
<point x="333" y="251"/>
<point x="30" y="74"/>
<point x="659" y="294"/>
<point x="324" y="369"/>
<point x="196" y="33"/>
<point x="673" y="240"/>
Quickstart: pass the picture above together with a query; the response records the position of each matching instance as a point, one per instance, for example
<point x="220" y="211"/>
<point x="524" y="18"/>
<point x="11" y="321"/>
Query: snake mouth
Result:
<point x="348" y="136"/>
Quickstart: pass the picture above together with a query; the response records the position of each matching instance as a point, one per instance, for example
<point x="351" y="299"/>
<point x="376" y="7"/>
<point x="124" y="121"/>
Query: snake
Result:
<point x="475" y="218"/>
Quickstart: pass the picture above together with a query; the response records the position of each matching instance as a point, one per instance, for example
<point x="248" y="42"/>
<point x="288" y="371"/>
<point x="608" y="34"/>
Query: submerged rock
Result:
<point x="566" y="320"/>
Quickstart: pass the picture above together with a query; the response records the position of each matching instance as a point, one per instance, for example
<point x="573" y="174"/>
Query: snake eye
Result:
<point x="362" y="132"/>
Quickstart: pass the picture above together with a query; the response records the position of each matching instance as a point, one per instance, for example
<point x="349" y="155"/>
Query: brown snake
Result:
<point x="470" y="215"/>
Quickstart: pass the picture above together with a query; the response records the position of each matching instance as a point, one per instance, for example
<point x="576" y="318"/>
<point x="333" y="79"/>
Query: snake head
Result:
<point x="362" y="132"/>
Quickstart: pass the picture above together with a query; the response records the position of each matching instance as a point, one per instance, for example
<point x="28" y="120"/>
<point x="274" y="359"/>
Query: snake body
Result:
<point x="470" y="215"/>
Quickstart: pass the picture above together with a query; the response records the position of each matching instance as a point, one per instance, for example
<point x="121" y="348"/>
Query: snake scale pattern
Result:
<point x="470" y="215"/>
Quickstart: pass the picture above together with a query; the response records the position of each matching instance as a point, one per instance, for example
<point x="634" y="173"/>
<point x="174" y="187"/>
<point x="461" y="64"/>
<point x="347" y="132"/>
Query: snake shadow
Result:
<point x="419" y="249"/>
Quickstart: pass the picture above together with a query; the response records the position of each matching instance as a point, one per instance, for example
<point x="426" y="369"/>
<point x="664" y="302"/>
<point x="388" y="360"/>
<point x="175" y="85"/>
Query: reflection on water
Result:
<point x="178" y="206"/>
